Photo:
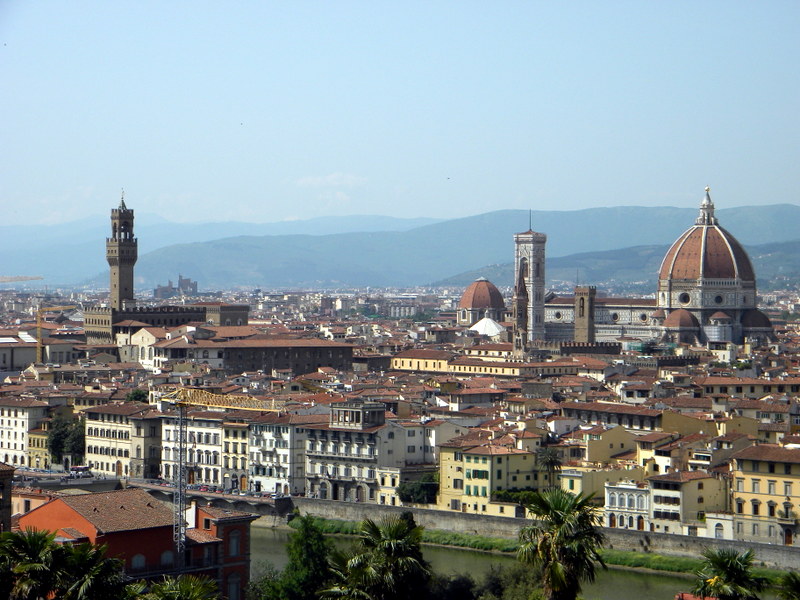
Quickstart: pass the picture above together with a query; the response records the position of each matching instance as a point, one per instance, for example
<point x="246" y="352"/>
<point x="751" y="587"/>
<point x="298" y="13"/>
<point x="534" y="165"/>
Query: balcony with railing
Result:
<point x="316" y="453"/>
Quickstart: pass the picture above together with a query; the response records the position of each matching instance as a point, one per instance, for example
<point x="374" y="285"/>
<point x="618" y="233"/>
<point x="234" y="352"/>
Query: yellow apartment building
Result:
<point x="766" y="494"/>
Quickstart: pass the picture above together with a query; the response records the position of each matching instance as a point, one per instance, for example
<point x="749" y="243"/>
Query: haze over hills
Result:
<point x="350" y="254"/>
<point x="72" y="252"/>
<point x="635" y="269"/>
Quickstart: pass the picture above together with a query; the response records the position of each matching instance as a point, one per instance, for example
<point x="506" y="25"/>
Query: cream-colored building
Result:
<point x="123" y="439"/>
<point x="592" y="481"/>
<point x="680" y="500"/>
<point x="343" y="456"/>
<point x="17" y="417"/>
<point x="235" y="454"/>
<point x="204" y="449"/>
<point x="597" y="445"/>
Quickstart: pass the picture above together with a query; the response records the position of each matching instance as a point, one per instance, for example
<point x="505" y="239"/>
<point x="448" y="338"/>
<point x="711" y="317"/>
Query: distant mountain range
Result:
<point x="635" y="269"/>
<point x="601" y="244"/>
<point x="75" y="252"/>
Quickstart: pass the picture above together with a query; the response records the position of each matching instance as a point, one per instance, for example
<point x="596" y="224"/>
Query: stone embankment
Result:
<point x="772" y="556"/>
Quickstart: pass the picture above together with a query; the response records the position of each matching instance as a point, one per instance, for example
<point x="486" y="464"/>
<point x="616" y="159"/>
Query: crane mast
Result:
<point x="182" y="398"/>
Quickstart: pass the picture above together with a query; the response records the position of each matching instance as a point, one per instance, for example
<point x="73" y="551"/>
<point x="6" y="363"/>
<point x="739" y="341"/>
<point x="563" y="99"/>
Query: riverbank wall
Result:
<point x="768" y="555"/>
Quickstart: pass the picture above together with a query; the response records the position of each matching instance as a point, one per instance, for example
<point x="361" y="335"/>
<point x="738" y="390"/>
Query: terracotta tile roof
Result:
<point x="199" y="536"/>
<point x="681" y="476"/>
<point x="769" y="452"/>
<point x="426" y="354"/>
<point x="762" y="405"/>
<point x="746" y="381"/>
<point x="120" y="510"/>
<point x="626" y="455"/>
<point x="73" y="533"/>
<point x="21" y="402"/>
<point x="703" y="403"/>
<point x="611" y="407"/>
<point x="119" y="408"/>
<point x="655" y="436"/>
<point x="492" y="449"/>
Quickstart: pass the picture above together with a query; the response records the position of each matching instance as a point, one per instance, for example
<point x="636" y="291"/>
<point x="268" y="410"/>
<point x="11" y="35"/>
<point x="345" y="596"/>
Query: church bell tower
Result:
<point x="121" y="254"/>
<point x="529" y="289"/>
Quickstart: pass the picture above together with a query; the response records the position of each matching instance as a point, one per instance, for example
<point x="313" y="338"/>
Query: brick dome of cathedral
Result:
<point x="682" y="319"/>
<point x="482" y="294"/>
<point x="706" y="251"/>
<point x="754" y="318"/>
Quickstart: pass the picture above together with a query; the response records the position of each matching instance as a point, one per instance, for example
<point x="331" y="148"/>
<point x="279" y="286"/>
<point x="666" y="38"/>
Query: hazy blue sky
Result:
<point x="266" y="111"/>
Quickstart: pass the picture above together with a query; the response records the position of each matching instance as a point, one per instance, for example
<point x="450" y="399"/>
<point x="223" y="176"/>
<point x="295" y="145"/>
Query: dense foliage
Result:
<point x="422" y="491"/>
<point x="66" y="437"/>
<point x="384" y="563"/>
<point x="521" y="496"/>
<point x="33" y="567"/>
<point x="136" y="396"/>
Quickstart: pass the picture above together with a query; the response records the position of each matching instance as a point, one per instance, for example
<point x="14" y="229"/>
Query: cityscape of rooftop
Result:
<point x="520" y="278"/>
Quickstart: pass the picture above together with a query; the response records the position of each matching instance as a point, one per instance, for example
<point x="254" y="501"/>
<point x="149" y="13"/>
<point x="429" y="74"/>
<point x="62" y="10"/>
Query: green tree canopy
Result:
<point x="421" y="491"/>
<point x="136" y="396"/>
<point x="66" y="436"/>
<point x="307" y="570"/>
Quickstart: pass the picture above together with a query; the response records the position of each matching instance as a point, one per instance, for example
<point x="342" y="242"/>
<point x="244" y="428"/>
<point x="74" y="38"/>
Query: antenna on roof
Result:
<point x="530" y="220"/>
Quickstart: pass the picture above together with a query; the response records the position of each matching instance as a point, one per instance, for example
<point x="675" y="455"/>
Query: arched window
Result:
<point x="167" y="558"/>
<point x="631" y="502"/>
<point x="612" y="499"/>
<point x="137" y="562"/>
<point x="640" y="502"/>
<point x="718" y="531"/>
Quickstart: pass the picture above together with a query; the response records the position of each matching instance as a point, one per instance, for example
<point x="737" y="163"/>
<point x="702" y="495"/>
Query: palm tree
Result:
<point x="184" y="587"/>
<point x="347" y="582"/>
<point x="91" y="575"/>
<point x="387" y="563"/>
<point x="549" y="460"/>
<point x="789" y="586"/>
<point x="728" y="575"/>
<point x="564" y="542"/>
<point x="37" y="565"/>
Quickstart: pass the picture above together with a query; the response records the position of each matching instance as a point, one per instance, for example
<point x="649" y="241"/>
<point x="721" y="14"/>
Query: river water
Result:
<point x="269" y="545"/>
